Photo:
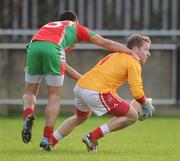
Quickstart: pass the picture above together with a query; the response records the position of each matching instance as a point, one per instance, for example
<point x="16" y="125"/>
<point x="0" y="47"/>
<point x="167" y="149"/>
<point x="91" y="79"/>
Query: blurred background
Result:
<point x="114" y="19"/>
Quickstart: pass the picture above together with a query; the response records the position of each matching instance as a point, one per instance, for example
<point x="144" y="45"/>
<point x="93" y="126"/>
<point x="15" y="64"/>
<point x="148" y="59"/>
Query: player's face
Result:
<point x="144" y="53"/>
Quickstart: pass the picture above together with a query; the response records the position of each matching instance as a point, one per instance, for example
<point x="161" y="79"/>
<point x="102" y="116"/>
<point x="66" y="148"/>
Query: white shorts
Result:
<point x="51" y="80"/>
<point x="99" y="103"/>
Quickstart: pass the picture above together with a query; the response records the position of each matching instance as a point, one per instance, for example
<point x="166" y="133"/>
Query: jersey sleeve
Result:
<point x="135" y="80"/>
<point x="83" y="33"/>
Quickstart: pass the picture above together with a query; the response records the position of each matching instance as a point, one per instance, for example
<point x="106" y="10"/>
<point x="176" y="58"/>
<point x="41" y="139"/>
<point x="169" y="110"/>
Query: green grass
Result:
<point x="156" y="139"/>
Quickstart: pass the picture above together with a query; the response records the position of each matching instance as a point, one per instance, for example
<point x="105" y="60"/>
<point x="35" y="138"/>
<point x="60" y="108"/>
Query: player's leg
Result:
<point x="32" y="80"/>
<point x="53" y="70"/>
<point x="116" y="123"/>
<point x="29" y="100"/>
<point x="124" y="114"/>
<point x="51" y="113"/>
<point x="122" y="121"/>
<point x="69" y="124"/>
<point x="82" y="113"/>
<point x="91" y="100"/>
<point x="54" y="83"/>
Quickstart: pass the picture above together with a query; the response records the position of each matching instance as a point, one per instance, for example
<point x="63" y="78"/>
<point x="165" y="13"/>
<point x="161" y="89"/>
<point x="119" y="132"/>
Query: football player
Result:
<point x="96" y="91"/>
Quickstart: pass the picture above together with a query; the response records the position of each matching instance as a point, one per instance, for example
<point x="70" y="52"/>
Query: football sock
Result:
<point x="48" y="131"/>
<point x="100" y="132"/>
<point x="27" y="112"/>
<point x="54" y="140"/>
<point x="56" y="137"/>
<point x="105" y="129"/>
<point x="97" y="134"/>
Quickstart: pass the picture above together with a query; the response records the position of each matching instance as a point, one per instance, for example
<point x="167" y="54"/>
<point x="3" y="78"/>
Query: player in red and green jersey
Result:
<point x="96" y="91"/>
<point x="46" y="57"/>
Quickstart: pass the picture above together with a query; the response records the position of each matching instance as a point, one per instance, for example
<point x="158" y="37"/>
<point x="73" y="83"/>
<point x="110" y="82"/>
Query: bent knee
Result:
<point x="82" y="116"/>
<point x="134" y="117"/>
<point x="133" y="114"/>
<point x="80" y="120"/>
<point x="29" y="100"/>
<point x="29" y="97"/>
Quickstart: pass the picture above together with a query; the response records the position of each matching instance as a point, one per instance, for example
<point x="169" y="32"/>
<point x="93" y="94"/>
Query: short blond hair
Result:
<point x="137" y="40"/>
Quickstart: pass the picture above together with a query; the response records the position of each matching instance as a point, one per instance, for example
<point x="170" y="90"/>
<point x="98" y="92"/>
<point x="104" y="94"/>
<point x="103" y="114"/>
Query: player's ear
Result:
<point x="135" y="49"/>
<point x="76" y="21"/>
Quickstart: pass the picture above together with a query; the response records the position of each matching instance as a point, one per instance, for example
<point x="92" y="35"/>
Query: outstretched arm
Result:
<point x="72" y="73"/>
<point x="84" y="34"/>
<point x="112" y="45"/>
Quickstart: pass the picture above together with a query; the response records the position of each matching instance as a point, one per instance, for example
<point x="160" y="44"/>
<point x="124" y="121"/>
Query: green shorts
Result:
<point x="44" y="58"/>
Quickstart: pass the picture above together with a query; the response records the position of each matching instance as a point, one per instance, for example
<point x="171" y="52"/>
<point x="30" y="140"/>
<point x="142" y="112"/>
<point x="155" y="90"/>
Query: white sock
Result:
<point x="105" y="129"/>
<point x="57" y="135"/>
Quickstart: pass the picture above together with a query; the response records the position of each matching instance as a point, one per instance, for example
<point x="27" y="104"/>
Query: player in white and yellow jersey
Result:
<point x="96" y="91"/>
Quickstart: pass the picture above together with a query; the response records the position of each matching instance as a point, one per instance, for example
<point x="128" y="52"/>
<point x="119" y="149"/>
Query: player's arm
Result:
<point x="135" y="81"/>
<point x="111" y="45"/>
<point x="84" y="34"/>
<point x="136" y="87"/>
<point x="72" y="73"/>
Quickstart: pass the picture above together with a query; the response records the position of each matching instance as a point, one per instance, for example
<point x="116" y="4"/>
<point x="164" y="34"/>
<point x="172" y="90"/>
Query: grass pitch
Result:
<point x="156" y="139"/>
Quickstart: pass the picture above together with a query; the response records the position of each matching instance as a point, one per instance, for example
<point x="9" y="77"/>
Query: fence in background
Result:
<point x="95" y="14"/>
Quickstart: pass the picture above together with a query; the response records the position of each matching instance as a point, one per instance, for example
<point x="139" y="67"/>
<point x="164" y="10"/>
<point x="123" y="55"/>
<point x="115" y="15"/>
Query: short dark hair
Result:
<point x="137" y="40"/>
<point x="68" y="15"/>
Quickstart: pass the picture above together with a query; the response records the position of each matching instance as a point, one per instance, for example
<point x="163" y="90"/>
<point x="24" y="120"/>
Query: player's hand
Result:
<point x="135" y="56"/>
<point x="147" y="110"/>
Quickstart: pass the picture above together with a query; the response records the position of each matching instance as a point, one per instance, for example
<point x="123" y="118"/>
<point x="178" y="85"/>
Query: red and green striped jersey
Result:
<point x="64" y="33"/>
